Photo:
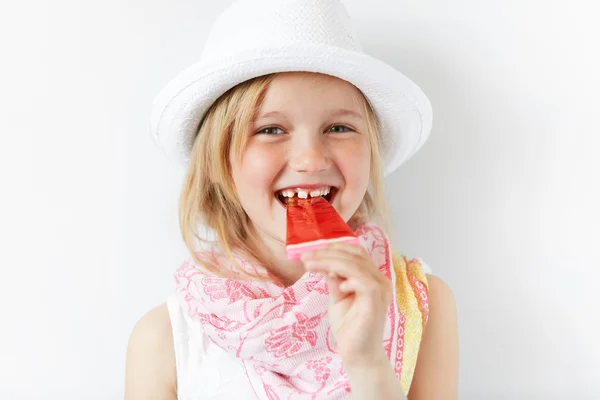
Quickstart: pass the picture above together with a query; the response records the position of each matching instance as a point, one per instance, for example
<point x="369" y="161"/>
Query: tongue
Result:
<point x="313" y="223"/>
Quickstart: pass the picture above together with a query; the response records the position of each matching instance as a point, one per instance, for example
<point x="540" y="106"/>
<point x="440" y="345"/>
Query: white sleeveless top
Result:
<point x="204" y="371"/>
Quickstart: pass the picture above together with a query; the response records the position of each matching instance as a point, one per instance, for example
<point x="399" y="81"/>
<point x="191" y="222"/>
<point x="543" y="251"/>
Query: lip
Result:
<point x="308" y="187"/>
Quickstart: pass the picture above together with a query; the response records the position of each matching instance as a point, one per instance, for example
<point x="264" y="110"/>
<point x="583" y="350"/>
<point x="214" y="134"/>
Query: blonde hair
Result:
<point x="208" y="196"/>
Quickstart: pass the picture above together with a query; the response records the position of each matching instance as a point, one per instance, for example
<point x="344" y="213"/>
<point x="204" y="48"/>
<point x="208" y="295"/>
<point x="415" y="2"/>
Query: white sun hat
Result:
<point x="252" y="38"/>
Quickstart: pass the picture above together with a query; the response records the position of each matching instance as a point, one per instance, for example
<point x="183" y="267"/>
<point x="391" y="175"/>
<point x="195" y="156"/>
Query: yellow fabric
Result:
<point x="411" y="297"/>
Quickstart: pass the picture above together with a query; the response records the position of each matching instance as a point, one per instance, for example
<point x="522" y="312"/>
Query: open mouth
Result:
<point x="285" y="198"/>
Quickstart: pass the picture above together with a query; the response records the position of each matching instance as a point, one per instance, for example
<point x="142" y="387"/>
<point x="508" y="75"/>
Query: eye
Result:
<point x="340" y="129"/>
<point x="271" y="130"/>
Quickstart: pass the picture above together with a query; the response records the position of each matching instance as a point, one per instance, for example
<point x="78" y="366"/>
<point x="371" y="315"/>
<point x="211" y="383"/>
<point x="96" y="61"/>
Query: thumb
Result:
<point x="333" y="282"/>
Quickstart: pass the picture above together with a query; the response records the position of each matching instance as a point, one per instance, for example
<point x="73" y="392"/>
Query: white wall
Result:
<point x="503" y="201"/>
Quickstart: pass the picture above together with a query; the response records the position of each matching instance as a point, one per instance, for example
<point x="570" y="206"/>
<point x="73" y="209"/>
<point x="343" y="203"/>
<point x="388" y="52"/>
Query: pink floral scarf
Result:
<point x="282" y="335"/>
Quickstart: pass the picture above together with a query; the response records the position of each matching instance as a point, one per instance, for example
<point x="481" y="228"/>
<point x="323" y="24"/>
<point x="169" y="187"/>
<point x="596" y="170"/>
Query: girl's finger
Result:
<point x="359" y="257"/>
<point x="340" y="266"/>
<point x="346" y="248"/>
<point x="352" y="248"/>
<point x="354" y="285"/>
<point x="346" y="286"/>
<point x="322" y="254"/>
<point x="335" y="293"/>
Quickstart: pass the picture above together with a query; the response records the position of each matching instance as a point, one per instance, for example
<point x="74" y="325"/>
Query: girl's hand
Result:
<point x="359" y="297"/>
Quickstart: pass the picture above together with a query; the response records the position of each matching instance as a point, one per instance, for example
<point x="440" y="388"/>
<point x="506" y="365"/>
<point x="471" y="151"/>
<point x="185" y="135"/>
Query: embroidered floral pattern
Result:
<point x="221" y="322"/>
<point x="271" y="394"/>
<point x="288" y="340"/>
<point x="320" y="367"/>
<point x="317" y="284"/>
<point x="229" y="289"/>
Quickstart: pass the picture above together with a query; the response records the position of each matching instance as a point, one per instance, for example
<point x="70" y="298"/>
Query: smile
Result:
<point x="327" y="192"/>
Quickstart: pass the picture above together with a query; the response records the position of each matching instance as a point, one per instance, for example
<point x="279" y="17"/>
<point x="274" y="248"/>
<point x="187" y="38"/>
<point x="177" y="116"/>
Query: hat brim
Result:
<point x="403" y="111"/>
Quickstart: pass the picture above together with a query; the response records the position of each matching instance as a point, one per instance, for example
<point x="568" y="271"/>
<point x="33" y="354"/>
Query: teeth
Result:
<point x="303" y="194"/>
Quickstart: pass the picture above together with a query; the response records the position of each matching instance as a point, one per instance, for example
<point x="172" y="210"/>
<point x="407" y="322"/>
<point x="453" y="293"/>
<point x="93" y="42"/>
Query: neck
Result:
<point x="273" y="252"/>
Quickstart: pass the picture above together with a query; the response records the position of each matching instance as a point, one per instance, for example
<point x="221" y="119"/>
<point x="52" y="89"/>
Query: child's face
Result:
<point x="301" y="137"/>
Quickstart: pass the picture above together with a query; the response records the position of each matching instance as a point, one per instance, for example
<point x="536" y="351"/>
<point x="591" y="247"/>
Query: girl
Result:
<point x="284" y="103"/>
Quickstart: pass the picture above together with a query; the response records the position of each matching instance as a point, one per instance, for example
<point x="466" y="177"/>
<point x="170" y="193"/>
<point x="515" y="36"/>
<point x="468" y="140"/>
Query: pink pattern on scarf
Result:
<point x="282" y="335"/>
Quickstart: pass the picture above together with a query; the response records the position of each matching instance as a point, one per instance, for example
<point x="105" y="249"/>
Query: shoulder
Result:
<point x="150" y="369"/>
<point x="436" y="373"/>
<point x="440" y="293"/>
<point x="442" y="308"/>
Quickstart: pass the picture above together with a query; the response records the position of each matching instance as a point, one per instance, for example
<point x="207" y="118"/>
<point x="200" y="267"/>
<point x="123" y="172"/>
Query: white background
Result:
<point x="503" y="201"/>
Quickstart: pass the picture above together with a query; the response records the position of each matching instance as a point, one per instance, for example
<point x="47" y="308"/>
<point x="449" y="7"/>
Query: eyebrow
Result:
<point x="340" y="112"/>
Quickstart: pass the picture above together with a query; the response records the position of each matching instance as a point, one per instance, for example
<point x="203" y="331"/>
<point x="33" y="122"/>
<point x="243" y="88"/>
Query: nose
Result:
<point x="310" y="156"/>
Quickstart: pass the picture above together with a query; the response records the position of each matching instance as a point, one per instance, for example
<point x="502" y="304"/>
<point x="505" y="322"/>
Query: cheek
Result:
<point x="257" y="168"/>
<point x="355" y="159"/>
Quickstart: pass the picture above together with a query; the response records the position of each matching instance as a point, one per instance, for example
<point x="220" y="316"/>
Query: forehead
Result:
<point x="310" y="91"/>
